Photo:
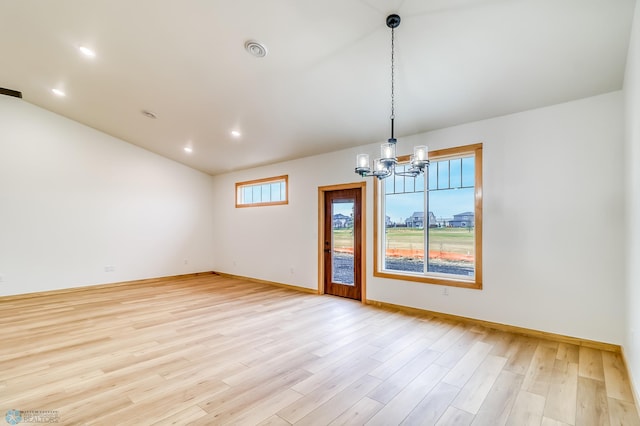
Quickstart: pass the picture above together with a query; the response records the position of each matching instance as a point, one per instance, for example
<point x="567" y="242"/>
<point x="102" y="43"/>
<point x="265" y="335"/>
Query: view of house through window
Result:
<point x="343" y="242"/>
<point x="431" y="233"/>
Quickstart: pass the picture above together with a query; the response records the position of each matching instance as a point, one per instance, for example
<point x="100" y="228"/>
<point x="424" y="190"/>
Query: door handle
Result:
<point x="327" y="250"/>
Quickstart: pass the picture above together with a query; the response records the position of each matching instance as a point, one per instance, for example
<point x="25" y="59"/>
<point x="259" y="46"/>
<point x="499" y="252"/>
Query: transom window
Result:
<point x="263" y="192"/>
<point x="432" y="236"/>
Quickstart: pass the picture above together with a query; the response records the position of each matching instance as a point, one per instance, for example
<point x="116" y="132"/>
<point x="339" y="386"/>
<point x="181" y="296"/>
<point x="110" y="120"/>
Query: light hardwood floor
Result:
<point x="214" y="350"/>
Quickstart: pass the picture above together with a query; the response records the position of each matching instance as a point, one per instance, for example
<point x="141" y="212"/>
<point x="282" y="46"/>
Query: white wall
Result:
<point x="74" y="200"/>
<point x="632" y="155"/>
<point x="553" y="221"/>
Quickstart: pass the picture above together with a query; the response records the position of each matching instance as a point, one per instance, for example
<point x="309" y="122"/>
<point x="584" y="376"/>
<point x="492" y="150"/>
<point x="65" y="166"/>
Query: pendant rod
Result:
<point x="392" y="137"/>
<point x="393" y="24"/>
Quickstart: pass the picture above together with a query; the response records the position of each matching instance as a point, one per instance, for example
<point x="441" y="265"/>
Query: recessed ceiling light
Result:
<point x="149" y="114"/>
<point x="188" y="149"/>
<point x="58" y="92"/>
<point x="235" y="133"/>
<point x="255" y="48"/>
<point x="87" y="52"/>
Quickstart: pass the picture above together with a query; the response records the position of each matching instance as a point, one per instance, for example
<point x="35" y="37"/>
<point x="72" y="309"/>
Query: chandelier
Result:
<point x="385" y="166"/>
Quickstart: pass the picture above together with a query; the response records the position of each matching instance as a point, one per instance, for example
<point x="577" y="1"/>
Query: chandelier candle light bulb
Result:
<point x="388" y="151"/>
<point x="420" y="152"/>
<point x="362" y="161"/>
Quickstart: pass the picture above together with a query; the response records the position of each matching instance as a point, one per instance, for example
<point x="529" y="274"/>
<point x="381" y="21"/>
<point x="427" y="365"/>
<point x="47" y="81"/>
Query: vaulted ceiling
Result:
<point x="325" y="82"/>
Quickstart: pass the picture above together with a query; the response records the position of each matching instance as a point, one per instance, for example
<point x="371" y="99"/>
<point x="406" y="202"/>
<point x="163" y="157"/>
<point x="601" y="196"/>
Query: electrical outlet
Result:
<point x="109" y="268"/>
<point x="186" y="261"/>
<point x="445" y="291"/>
<point x="1" y="278"/>
<point x="291" y="270"/>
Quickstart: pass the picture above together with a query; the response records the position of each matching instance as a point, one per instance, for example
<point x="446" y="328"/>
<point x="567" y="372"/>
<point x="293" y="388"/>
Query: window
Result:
<point x="263" y="192"/>
<point x="446" y="219"/>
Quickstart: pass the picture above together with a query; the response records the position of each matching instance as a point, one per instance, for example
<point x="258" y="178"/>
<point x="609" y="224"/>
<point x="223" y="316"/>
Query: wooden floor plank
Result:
<point x="622" y="413"/>
<point x="616" y="378"/>
<point x="400" y="406"/>
<point x="455" y="417"/>
<point x="502" y="343"/>
<point x="228" y="404"/>
<point x="476" y="389"/>
<point x="546" y="421"/>
<point x="186" y="416"/>
<point x="358" y="414"/>
<point x="350" y="372"/>
<point x="336" y="369"/>
<point x="497" y="406"/>
<point x="266" y="408"/>
<point x="332" y="359"/>
<point x="341" y="402"/>
<point x="592" y="407"/>
<point x="537" y="378"/>
<point x="527" y="410"/>
<point x="563" y="391"/>
<point x="521" y="354"/>
<point x="449" y="338"/>
<point x="400" y="359"/>
<point x="467" y="365"/>
<point x="388" y="389"/>
<point x="568" y="352"/>
<point x="454" y="354"/>
<point x="432" y="407"/>
<point x="216" y="350"/>
<point x="590" y="363"/>
<point x="274" y="421"/>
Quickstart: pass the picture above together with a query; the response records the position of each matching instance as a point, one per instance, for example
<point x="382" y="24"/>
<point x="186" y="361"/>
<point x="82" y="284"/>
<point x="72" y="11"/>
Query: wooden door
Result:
<point x="343" y="243"/>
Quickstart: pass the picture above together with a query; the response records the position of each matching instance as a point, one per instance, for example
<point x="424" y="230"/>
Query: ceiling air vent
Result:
<point x="255" y="48"/>
<point x="10" y="92"/>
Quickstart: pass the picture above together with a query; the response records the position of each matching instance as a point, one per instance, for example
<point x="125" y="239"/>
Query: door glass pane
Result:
<point x="342" y="242"/>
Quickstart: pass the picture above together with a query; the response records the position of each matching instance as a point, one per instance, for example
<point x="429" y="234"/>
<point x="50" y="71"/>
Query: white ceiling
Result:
<point x="325" y="84"/>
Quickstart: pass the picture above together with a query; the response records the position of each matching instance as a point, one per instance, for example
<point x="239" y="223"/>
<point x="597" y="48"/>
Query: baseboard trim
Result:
<point x="259" y="281"/>
<point x="143" y="281"/>
<point x="502" y="327"/>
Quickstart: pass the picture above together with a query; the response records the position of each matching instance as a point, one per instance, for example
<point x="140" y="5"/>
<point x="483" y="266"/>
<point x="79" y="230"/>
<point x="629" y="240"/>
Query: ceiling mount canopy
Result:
<point x="393" y="21"/>
<point x="385" y="166"/>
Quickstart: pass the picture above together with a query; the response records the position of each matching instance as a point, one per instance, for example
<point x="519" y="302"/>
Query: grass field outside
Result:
<point x="449" y="240"/>
<point x="446" y="245"/>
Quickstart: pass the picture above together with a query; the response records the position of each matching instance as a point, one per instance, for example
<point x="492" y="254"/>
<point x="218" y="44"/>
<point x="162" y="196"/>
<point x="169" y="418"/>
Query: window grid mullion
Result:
<point x="425" y="268"/>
